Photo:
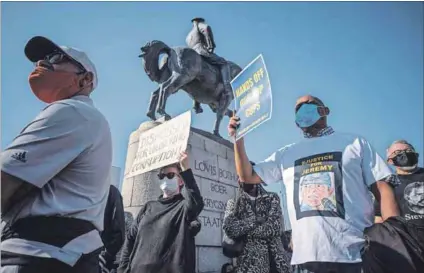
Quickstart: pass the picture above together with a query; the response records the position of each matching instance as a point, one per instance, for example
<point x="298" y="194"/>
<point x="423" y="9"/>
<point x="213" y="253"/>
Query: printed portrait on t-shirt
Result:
<point x="317" y="192"/>
<point x="414" y="197"/>
<point x="318" y="186"/>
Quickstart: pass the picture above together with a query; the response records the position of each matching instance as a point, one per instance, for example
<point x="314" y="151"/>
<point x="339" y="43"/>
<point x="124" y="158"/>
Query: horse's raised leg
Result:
<point x="152" y="104"/>
<point x="170" y="86"/>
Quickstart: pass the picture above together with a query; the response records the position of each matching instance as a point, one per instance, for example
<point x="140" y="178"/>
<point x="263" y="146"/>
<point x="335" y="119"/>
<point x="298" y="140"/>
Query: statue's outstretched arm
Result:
<point x="206" y="30"/>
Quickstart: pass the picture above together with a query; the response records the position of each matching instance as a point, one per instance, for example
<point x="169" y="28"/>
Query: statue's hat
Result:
<point x="198" y="19"/>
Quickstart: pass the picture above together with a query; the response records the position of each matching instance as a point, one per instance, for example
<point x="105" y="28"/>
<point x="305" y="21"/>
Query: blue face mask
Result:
<point x="307" y="115"/>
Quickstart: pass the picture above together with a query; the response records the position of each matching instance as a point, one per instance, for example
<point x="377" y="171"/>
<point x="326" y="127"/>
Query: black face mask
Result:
<point x="247" y="187"/>
<point x="405" y="159"/>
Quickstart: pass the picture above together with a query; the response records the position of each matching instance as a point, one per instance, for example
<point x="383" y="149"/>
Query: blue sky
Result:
<point x="364" y="60"/>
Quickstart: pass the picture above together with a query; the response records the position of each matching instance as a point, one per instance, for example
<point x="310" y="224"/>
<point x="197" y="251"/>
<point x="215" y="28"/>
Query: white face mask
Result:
<point x="169" y="186"/>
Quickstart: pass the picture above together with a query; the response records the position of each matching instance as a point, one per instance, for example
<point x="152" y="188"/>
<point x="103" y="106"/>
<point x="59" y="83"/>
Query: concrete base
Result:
<point x="212" y="161"/>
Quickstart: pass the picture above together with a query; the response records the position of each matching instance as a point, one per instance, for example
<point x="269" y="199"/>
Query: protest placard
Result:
<point x="253" y="97"/>
<point x="162" y="145"/>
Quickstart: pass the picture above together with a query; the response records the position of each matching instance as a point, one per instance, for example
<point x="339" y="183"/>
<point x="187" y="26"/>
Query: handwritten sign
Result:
<point x="253" y="96"/>
<point x="162" y="145"/>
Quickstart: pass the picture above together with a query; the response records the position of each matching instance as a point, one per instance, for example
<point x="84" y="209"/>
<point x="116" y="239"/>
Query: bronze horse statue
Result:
<point x="183" y="68"/>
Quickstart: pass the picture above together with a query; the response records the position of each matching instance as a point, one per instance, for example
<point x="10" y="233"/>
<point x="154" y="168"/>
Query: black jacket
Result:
<point x="113" y="234"/>
<point x="393" y="246"/>
<point x="160" y="239"/>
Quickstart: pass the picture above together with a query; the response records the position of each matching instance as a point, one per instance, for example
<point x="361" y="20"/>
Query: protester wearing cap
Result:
<point x="54" y="173"/>
<point x="161" y="239"/>
<point x="327" y="236"/>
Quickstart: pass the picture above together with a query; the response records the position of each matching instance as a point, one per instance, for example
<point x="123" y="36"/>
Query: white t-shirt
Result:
<point x="327" y="182"/>
<point x="66" y="151"/>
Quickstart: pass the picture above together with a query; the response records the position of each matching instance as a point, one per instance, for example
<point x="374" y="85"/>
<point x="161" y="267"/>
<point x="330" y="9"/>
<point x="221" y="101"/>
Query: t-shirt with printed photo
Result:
<point x="327" y="181"/>
<point x="410" y="197"/>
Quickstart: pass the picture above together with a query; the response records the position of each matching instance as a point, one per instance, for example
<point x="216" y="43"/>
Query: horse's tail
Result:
<point x="235" y="69"/>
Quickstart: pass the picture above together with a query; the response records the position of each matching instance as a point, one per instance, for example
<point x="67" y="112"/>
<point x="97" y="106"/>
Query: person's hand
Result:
<point x="233" y="126"/>
<point x="184" y="161"/>
<point x="195" y="227"/>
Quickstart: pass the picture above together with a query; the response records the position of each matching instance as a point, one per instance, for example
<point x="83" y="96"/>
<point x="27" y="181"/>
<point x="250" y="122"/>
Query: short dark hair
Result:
<point x="175" y="165"/>
<point x="198" y="19"/>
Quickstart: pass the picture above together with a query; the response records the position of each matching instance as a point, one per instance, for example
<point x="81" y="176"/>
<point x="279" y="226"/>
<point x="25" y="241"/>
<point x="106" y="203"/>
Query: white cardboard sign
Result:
<point x="162" y="145"/>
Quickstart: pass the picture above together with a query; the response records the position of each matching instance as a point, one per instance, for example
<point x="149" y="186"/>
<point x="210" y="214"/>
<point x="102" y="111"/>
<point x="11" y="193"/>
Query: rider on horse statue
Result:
<point x="200" y="39"/>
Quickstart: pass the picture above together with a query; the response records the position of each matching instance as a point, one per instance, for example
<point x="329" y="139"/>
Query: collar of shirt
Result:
<point x="323" y="132"/>
<point x="83" y="98"/>
<point x="392" y="179"/>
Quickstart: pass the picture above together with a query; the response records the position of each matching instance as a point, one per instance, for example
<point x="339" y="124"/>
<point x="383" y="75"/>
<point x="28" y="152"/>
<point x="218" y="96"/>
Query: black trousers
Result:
<point x="16" y="263"/>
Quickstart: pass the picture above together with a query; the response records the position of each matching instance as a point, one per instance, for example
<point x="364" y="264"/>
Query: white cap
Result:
<point x="39" y="47"/>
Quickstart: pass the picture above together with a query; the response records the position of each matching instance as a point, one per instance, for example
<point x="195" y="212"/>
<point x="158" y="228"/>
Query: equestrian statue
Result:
<point x="196" y="69"/>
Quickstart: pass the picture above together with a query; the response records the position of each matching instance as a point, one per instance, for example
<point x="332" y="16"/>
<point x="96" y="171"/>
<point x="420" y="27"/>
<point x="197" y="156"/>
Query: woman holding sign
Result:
<point x="161" y="239"/>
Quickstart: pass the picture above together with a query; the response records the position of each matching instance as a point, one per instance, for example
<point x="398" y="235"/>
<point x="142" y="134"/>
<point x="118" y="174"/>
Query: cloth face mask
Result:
<point x="307" y="115"/>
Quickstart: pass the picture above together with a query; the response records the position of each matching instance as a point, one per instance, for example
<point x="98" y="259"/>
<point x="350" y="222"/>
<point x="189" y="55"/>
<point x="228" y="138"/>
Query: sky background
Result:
<point x="364" y="60"/>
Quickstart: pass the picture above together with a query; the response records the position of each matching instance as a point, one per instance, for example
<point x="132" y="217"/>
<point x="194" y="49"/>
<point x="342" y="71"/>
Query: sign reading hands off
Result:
<point x="253" y="97"/>
<point x="162" y="145"/>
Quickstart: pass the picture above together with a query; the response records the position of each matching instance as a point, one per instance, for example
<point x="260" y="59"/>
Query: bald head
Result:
<point x="308" y="99"/>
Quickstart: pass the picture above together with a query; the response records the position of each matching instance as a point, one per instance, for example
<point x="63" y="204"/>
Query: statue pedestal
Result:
<point x="212" y="161"/>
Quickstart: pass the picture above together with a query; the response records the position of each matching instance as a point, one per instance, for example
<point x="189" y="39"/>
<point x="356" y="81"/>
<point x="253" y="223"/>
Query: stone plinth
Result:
<point x="212" y="161"/>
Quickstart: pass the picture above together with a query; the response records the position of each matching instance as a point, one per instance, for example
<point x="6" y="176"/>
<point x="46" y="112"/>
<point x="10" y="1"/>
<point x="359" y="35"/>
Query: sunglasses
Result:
<point x="300" y="105"/>
<point x="397" y="152"/>
<point x="58" y="58"/>
<point x="161" y="176"/>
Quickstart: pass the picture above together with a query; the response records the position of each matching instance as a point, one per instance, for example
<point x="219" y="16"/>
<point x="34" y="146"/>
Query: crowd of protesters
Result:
<point x="61" y="215"/>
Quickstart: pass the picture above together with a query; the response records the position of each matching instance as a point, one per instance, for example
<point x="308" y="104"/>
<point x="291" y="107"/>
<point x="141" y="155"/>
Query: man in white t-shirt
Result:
<point x="327" y="177"/>
<point x="54" y="174"/>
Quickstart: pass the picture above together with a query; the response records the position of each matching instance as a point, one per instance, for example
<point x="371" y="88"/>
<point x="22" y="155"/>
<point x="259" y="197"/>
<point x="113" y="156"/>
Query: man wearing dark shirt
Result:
<point x="397" y="244"/>
<point x="161" y="239"/>
<point x="409" y="188"/>
<point x="113" y="235"/>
